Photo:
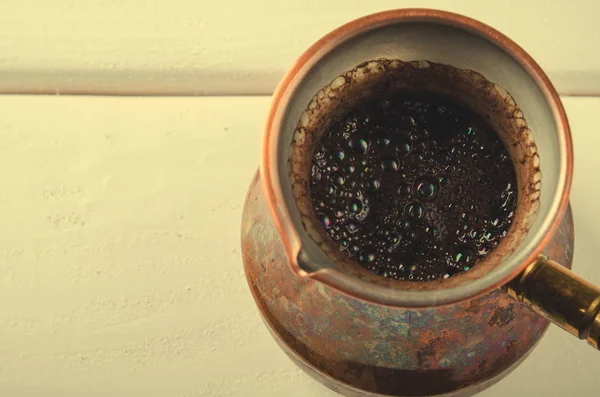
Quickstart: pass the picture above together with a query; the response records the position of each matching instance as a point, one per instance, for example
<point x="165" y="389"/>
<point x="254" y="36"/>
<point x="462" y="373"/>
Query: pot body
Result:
<point x="359" y="348"/>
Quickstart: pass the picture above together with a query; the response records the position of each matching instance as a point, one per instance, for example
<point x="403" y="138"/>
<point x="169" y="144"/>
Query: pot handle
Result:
<point x="561" y="296"/>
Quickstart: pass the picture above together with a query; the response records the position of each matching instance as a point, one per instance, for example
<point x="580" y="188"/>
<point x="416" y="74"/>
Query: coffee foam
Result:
<point x="381" y="77"/>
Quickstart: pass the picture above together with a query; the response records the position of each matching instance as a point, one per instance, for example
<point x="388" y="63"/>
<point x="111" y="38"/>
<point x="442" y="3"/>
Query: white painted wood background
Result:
<point x="196" y="47"/>
<point x="120" y="268"/>
<point x="120" y="263"/>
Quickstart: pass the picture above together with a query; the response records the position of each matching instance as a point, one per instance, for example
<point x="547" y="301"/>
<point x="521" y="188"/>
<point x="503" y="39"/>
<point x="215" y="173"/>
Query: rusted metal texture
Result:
<point x="360" y="349"/>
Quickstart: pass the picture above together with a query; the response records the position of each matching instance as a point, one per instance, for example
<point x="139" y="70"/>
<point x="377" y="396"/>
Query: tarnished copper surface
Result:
<point x="360" y="348"/>
<point x="561" y="296"/>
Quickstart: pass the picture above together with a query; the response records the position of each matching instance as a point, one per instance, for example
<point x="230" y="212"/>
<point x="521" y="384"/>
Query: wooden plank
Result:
<point x="191" y="47"/>
<point x="120" y="263"/>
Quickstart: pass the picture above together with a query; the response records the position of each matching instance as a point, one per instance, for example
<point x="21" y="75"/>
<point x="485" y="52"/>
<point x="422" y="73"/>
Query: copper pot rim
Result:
<point x="270" y="174"/>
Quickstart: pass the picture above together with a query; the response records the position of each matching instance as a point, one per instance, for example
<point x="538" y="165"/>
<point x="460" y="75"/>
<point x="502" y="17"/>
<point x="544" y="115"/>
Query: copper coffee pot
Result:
<point x="361" y="334"/>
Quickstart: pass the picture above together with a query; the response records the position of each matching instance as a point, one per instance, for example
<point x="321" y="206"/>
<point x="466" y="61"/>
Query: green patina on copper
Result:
<point x="355" y="347"/>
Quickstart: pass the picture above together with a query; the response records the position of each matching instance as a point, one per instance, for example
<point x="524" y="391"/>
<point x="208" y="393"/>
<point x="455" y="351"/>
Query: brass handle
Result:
<point x="562" y="297"/>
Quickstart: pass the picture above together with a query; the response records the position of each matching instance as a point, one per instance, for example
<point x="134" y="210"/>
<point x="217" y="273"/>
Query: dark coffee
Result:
<point x="413" y="186"/>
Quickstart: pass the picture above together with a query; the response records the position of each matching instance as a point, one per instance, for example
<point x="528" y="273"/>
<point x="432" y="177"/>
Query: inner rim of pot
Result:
<point x="377" y="78"/>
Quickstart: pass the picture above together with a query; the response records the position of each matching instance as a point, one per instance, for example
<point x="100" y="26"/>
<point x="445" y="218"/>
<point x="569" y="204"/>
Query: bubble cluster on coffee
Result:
<point x="413" y="186"/>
